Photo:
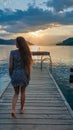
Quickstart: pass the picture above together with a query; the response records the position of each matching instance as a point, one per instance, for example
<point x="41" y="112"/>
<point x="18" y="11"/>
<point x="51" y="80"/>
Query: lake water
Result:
<point x="62" y="59"/>
<point x="4" y="59"/>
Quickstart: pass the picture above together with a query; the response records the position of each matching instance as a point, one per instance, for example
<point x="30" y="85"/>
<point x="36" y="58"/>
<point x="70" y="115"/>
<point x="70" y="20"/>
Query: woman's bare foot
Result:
<point x="21" y="111"/>
<point x="13" y="114"/>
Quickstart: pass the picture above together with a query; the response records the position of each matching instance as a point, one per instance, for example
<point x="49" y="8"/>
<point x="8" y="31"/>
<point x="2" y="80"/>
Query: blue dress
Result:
<point x="19" y="75"/>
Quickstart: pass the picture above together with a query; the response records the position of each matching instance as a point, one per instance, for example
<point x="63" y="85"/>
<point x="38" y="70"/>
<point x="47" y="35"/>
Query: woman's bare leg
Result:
<point x="22" y="99"/>
<point x="14" y="101"/>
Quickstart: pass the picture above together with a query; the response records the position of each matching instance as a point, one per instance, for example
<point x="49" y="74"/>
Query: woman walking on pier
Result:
<point x="19" y="70"/>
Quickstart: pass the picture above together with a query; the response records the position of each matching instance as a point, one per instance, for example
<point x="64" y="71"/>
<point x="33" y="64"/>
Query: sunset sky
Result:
<point x="41" y="22"/>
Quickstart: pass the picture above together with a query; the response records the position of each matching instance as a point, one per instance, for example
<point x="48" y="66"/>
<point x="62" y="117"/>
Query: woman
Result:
<point x="19" y="70"/>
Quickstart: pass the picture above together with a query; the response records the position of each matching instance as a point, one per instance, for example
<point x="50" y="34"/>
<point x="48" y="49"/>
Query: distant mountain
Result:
<point x="67" y="42"/>
<point x="10" y="42"/>
<point x="7" y="42"/>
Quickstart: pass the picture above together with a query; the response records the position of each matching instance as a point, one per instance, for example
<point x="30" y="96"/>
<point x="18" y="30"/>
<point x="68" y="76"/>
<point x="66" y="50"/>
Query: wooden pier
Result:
<point x="45" y="106"/>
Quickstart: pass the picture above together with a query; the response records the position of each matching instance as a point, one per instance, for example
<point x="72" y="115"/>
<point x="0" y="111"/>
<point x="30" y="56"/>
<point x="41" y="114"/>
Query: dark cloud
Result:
<point x="60" y="5"/>
<point x="31" y="20"/>
<point x="23" y="21"/>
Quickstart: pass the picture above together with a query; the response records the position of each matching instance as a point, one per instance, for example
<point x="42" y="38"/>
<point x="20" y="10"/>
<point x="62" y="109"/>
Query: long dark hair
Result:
<point x="25" y="53"/>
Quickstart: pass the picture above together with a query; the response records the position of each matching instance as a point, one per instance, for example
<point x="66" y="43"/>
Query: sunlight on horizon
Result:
<point x="36" y="33"/>
<point x="48" y="36"/>
<point x="35" y="48"/>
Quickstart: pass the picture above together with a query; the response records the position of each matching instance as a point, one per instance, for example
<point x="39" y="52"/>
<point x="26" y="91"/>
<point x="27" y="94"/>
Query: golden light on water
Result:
<point x="35" y="48"/>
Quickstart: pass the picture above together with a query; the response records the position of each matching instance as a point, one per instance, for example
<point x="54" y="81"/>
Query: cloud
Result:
<point x="24" y="21"/>
<point x="60" y="5"/>
<point x="5" y="2"/>
<point x="33" y="19"/>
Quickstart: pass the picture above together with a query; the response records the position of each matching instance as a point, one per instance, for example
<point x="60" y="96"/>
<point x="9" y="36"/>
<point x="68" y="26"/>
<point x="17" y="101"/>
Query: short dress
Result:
<point x="19" y="76"/>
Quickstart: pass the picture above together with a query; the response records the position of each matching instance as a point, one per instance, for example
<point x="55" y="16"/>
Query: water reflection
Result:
<point x="4" y="59"/>
<point x="59" y="54"/>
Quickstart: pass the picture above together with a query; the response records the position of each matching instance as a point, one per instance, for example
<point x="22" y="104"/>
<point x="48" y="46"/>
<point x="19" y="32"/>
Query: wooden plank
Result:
<point x="37" y="121"/>
<point x="39" y="53"/>
<point x="36" y="127"/>
<point x="37" y="116"/>
<point x="46" y="104"/>
<point x="46" y="111"/>
<point x="38" y="108"/>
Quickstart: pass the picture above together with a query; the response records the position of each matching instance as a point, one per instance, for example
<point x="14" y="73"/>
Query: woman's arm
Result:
<point x="10" y="64"/>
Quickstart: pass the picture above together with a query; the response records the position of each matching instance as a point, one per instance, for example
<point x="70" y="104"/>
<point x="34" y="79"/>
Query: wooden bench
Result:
<point x="42" y="59"/>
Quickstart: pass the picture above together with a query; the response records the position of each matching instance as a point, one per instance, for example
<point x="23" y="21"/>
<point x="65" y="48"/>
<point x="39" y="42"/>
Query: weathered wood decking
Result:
<point x="45" y="107"/>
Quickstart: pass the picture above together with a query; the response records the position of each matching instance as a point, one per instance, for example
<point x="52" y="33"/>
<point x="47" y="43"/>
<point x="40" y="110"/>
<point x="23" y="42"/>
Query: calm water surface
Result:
<point x="4" y="59"/>
<point x="62" y="58"/>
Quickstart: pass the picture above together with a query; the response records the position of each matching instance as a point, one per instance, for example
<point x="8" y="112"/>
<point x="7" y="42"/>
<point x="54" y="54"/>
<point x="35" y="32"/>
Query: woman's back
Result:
<point x="17" y="60"/>
<point x="19" y="75"/>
